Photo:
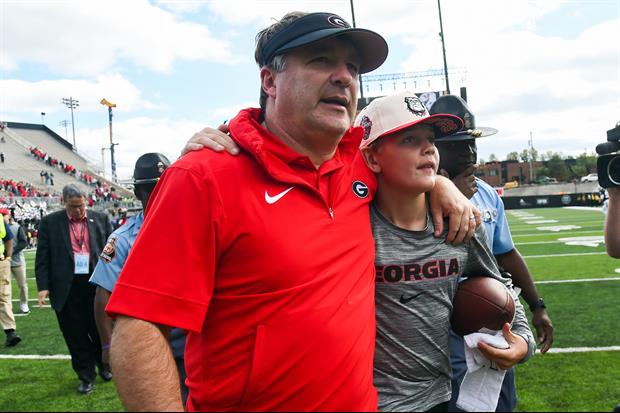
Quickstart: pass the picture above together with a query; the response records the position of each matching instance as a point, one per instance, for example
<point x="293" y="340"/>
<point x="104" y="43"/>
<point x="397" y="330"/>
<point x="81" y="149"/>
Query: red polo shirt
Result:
<point x="269" y="266"/>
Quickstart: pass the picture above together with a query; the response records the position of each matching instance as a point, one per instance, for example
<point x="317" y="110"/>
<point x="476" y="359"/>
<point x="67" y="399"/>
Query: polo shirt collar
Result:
<point x="77" y="222"/>
<point x="247" y="130"/>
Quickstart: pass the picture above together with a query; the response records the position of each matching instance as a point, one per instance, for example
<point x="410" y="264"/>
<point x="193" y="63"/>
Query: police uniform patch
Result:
<point x="109" y="252"/>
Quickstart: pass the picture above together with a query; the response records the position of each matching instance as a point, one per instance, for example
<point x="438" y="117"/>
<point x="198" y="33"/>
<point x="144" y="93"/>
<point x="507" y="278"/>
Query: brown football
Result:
<point x="481" y="302"/>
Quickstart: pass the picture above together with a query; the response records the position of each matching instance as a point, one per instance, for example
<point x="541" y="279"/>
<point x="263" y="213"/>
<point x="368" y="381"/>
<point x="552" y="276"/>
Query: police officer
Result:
<point x="147" y="173"/>
<point x="459" y="156"/>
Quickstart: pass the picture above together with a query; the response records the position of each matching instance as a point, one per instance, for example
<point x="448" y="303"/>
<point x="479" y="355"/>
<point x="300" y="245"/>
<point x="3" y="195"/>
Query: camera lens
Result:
<point x="613" y="170"/>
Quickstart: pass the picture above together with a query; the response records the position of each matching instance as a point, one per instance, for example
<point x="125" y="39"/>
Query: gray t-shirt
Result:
<point x="417" y="276"/>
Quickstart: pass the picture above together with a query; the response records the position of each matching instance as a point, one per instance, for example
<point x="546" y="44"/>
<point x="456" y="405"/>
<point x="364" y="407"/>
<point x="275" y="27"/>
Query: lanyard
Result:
<point x="80" y="241"/>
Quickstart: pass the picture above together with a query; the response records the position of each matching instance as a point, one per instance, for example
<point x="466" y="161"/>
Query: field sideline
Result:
<point x="566" y="254"/>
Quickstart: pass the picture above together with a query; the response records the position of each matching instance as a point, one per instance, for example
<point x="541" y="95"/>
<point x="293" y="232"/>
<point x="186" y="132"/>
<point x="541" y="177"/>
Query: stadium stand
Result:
<point x="17" y="142"/>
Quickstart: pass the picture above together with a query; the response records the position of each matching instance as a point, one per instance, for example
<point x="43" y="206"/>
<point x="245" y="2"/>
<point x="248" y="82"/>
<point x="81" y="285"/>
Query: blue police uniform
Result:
<point x="500" y="242"/>
<point x="494" y="218"/>
<point x="109" y="268"/>
<point x="115" y="253"/>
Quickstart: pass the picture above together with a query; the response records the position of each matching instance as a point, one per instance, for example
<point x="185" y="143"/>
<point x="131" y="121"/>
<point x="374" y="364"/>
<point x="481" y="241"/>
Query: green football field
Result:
<point x="566" y="254"/>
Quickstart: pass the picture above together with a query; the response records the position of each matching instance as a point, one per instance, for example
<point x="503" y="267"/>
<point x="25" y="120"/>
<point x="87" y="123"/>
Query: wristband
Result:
<point x="538" y="304"/>
<point x="106" y="347"/>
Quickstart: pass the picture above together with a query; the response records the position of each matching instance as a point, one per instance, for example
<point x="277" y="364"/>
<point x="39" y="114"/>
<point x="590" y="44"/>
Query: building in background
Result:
<point x="499" y="173"/>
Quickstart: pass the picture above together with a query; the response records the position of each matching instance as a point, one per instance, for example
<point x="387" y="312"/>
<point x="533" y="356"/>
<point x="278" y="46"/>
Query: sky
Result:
<point x="546" y="69"/>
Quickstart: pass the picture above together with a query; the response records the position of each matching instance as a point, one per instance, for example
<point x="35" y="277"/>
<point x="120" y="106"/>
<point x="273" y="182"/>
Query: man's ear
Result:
<point x="268" y="83"/>
<point x="370" y="157"/>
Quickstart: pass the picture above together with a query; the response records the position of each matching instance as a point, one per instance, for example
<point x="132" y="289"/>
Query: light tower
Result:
<point x="72" y="104"/>
<point x="65" y="123"/>
<point x="111" y="105"/>
<point x="443" y="46"/>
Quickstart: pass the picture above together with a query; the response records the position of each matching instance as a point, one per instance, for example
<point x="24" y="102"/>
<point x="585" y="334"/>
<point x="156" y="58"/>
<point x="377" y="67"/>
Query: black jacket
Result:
<point x="21" y="241"/>
<point x="55" y="265"/>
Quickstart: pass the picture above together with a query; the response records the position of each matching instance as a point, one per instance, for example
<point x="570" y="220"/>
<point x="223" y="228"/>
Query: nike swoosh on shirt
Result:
<point x="273" y="199"/>
<point x="404" y="300"/>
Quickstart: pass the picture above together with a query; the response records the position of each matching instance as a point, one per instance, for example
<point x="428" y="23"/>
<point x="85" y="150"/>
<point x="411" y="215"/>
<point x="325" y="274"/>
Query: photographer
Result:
<point x="612" y="226"/>
<point x="609" y="178"/>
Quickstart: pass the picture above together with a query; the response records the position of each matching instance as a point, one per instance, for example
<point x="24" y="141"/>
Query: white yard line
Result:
<point x="565" y="255"/>
<point x="522" y="226"/>
<point x="583" y="280"/>
<point x="543" y="242"/>
<point x="591" y="209"/>
<point x="35" y="357"/>
<point x="581" y="349"/>
<point x="576" y="231"/>
<point x="562" y="233"/>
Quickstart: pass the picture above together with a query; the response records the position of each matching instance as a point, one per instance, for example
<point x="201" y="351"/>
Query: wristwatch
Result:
<point x="538" y="304"/>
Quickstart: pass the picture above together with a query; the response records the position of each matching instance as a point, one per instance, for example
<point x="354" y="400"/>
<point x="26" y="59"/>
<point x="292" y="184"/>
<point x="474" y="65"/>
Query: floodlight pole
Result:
<point x="65" y="123"/>
<point x="360" y="76"/>
<point x="111" y="105"/>
<point x="443" y="46"/>
<point x="72" y="104"/>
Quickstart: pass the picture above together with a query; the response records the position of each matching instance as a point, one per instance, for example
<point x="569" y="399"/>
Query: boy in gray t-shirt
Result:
<point x="417" y="274"/>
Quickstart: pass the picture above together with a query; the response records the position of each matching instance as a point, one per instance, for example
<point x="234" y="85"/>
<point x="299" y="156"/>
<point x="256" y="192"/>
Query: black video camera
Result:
<point x="609" y="161"/>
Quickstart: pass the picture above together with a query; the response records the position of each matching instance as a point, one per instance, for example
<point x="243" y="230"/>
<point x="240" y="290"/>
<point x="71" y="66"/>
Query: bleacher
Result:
<point x="19" y="165"/>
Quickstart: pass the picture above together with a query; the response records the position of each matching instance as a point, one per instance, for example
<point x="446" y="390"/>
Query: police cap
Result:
<point x="455" y="105"/>
<point x="149" y="168"/>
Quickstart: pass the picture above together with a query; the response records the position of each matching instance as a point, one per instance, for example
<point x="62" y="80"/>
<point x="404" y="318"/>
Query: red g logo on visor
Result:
<point x="338" y="21"/>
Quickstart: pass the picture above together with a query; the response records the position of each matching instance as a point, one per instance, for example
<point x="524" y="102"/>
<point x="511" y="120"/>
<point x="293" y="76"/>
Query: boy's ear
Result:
<point x="370" y="157"/>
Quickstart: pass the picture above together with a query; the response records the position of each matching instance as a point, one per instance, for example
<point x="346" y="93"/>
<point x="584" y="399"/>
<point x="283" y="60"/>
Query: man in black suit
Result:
<point x="70" y="242"/>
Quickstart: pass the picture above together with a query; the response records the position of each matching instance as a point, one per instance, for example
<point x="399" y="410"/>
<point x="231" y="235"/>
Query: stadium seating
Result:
<point x="16" y="141"/>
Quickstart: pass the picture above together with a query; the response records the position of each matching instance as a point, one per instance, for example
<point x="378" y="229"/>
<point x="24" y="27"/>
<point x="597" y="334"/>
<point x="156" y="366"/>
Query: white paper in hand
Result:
<point x="483" y="382"/>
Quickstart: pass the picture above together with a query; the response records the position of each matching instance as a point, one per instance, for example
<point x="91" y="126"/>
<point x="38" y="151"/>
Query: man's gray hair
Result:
<point x="278" y="62"/>
<point x="72" y="191"/>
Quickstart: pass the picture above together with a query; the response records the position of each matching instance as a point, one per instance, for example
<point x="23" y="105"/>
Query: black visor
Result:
<point x="313" y="27"/>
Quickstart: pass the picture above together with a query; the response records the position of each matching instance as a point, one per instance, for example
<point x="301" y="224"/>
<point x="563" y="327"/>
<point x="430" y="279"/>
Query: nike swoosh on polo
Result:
<point x="404" y="300"/>
<point x="273" y="199"/>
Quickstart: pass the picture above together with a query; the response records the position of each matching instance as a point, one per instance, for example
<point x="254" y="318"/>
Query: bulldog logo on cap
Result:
<point x="338" y="21"/>
<point x="366" y="123"/>
<point x="415" y="106"/>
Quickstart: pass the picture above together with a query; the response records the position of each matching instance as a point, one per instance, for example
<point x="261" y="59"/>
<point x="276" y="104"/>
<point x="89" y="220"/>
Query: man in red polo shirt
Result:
<point x="272" y="274"/>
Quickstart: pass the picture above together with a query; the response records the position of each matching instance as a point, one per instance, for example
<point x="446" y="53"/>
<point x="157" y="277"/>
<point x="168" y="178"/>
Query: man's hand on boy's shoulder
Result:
<point x="463" y="217"/>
